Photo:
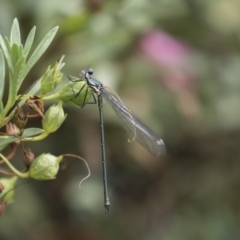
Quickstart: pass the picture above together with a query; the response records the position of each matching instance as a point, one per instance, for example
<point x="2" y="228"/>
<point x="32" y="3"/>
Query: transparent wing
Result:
<point x="135" y="127"/>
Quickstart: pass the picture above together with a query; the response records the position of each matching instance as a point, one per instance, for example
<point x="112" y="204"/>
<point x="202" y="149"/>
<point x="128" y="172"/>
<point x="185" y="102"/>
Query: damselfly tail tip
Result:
<point x="107" y="209"/>
<point x="162" y="147"/>
<point x="160" y="142"/>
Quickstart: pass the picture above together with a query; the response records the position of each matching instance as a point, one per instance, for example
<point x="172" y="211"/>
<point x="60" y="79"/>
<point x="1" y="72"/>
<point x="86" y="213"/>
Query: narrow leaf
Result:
<point x="2" y="84"/>
<point x="14" y="54"/>
<point x="15" y="36"/>
<point x="20" y="50"/>
<point x="29" y="132"/>
<point x="5" y="52"/>
<point x="18" y="70"/>
<point x="41" y="48"/>
<point x="14" y="84"/>
<point x="29" y="41"/>
<point x="26" y="49"/>
<point x="1" y="112"/>
<point x="2" y="74"/>
<point x="8" y="45"/>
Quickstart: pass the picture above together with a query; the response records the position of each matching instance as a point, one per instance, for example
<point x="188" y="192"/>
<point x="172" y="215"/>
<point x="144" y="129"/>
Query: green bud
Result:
<point x="72" y="93"/>
<point x="81" y="93"/>
<point x="7" y="193"/>
<point x="53" y="118"/>
<point x="45" y="167"/>
<point x="51" y="77"/>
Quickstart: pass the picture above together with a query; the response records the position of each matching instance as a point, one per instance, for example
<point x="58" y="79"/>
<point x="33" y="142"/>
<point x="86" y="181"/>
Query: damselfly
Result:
<point x="133" y="125"/>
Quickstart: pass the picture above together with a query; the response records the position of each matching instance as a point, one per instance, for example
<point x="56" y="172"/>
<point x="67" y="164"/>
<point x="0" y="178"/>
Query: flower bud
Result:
<point x="20" y="119"/>
<point x="75" y="93"/>
<point x="36" y="104"/>
<point x="45" y="167"/>
<point x="51" y="77"/>
<point x="28" y="157"/>
<point x="12" y="129"/>
<point x="53" y="118"/>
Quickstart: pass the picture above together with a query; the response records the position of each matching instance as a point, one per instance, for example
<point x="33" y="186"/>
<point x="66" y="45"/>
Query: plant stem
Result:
<point x="19" y="174"/>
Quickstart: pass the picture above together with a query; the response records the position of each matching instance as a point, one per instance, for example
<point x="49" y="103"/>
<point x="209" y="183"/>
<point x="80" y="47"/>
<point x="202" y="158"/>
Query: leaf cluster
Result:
<point x="15" y="63"/>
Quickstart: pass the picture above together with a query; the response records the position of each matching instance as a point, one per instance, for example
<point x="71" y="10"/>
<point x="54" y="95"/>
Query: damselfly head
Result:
<point x="89" y="71"/>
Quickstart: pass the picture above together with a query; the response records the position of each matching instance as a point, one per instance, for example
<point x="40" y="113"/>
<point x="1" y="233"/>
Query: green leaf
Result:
<point x="2" y="83"/>
<point x="1" y="111"/>
<point x="2" y="74"/>
<point x="27" y="49"/>
<point x="14" y="54"/>
<point x="17" y="75"/>
<point x="8" y="45"/>
<point x="29" y="132"/>
<point x="5" y="52"/>
<point x="41" y="48"/>
<point x="29" y="41"/>
<point x="15" y="36"/>
<point x="18" y="72"/>
<point x="14" y="84"/>
<point x="20" y="50"/>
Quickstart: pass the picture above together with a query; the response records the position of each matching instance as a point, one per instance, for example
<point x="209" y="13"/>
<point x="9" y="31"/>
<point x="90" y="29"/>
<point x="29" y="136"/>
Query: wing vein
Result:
<point x="135" y="127"/>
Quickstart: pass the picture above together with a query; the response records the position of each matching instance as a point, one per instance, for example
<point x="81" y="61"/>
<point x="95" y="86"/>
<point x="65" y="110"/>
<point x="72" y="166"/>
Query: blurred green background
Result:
<point x="176" y="63"/>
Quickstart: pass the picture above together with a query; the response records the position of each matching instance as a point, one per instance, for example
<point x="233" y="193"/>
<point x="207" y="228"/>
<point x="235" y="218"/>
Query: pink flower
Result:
<point x="173" y="58"/>
<point x="163" y="48"/>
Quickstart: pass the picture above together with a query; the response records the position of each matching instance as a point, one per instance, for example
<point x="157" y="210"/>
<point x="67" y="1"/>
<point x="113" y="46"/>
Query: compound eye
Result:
<point x="90" y="71"/>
